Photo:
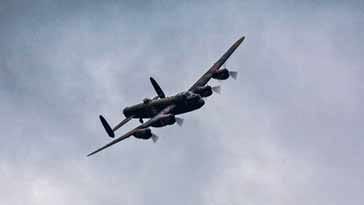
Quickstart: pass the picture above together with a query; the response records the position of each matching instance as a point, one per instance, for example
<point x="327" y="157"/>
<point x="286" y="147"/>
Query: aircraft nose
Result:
<point x="126" y="111"/>
<point x="201" y="102"/>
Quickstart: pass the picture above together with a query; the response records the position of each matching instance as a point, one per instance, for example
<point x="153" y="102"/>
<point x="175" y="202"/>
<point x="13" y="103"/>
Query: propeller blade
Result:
<point x="179" y="121"/>
<point x="155" y="137"/>
<point x="233" y="74"/>
<point x="216" y="89"/>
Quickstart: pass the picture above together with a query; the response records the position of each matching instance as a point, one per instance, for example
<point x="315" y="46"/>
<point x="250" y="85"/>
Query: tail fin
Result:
<point x="107" y="127"/>
<point x="157" y="88"/>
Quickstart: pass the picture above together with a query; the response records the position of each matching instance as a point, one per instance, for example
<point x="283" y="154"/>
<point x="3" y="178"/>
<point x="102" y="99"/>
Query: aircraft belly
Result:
<point x="147" y="111"/>
<point x="150" y="109"/>
<point x="183" y="108"/>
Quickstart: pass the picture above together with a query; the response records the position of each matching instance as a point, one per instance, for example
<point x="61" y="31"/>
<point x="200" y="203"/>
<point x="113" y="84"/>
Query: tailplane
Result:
<point x="107" y="127"/>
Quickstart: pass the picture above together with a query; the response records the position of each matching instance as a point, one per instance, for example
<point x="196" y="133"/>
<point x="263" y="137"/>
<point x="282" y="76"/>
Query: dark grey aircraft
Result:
<point x="162" y="110"/>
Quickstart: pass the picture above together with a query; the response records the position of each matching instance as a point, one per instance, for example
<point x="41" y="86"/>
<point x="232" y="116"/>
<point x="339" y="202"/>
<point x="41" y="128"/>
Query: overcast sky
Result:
<point x="288" y="131"/>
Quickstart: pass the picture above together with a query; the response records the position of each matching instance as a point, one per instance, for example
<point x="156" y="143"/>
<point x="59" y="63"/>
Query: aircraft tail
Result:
<point x="107" y="127"/>
<point x="157" y="88"/>
<point x="122" y="123"/>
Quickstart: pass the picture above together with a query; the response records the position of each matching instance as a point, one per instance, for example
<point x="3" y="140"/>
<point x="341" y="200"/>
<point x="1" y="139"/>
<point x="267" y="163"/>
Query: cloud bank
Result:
<point x="287" y="131"/>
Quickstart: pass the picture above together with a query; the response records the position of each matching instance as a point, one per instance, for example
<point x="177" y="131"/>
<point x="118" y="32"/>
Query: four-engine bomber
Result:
<point x="161" y="110"/>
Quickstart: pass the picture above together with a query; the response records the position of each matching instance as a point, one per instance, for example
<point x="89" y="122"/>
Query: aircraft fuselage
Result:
<point x="184" y="102"/>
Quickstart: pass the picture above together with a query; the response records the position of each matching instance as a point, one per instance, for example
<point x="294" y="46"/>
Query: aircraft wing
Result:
<point x="207" y="76"/>
<point x="131" y="132"/>
<point x="200" y="82"/>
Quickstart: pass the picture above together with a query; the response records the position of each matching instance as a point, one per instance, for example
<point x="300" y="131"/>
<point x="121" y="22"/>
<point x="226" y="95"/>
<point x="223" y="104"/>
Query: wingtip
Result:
<point x="241" y="39"/>
<point x="94" y="152"/>
<point x="88" y="155"/>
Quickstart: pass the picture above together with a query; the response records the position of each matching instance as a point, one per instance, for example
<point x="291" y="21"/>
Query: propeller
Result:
<point x="233" y="74"/>
<point x="179" y="121"/>
<point x="216" y="89"/>
<point x="155" y="137"/>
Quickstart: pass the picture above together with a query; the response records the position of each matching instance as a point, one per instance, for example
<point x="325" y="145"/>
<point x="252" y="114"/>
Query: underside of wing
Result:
<point x="207" y="76"/>
<point x="134" y="131"/>
<point x="123" y="137"/>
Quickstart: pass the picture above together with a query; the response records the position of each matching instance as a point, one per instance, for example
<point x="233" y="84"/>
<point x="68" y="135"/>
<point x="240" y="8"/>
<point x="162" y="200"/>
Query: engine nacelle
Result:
<point x="222" y="74"/>
<point x="164" y="121"/>
<point x="204" y="91"/>
<point x="143" y="133"/>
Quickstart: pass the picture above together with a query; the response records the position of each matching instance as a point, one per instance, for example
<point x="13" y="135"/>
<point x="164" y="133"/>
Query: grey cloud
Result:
<point x="290" y="125"/>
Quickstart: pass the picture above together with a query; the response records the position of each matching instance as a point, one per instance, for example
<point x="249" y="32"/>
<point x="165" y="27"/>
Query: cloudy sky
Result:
<point x="288" y="131"/>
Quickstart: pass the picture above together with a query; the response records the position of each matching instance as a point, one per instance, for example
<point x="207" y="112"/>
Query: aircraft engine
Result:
<point x="143" y="133"/>
<point x="204" y="91"/>
<point x="164" y="121"/>
<point x="222" y="74"/>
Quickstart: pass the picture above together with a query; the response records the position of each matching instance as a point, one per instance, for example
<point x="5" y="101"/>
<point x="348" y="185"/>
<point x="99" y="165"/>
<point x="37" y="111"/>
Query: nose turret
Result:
<point x="127" y="111"/>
